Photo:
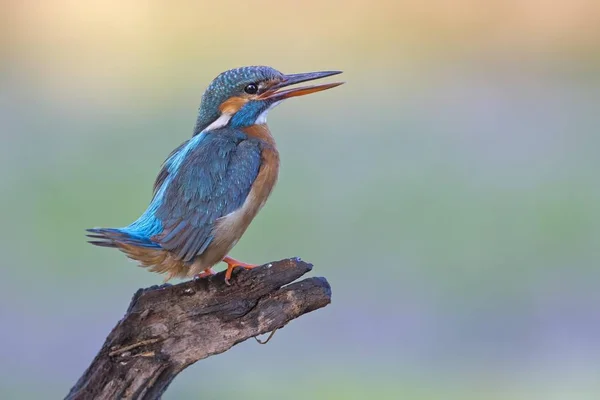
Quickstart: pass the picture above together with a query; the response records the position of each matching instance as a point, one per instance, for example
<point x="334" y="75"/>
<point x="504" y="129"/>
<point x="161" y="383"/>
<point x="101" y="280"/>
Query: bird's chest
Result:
<point x="231" y="227"/>
<point x="268" y="171"/>
<point x="265" y="180"/>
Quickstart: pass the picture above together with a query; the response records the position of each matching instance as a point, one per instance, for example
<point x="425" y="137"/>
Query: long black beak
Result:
<point x="292" y="79"/>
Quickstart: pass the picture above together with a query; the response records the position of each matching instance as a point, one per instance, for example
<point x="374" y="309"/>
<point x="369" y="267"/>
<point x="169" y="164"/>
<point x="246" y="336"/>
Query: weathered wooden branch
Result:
<point x="167" y="328"/>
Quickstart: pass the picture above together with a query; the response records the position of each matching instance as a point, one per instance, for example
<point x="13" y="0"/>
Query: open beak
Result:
<point x="273" y="93"/>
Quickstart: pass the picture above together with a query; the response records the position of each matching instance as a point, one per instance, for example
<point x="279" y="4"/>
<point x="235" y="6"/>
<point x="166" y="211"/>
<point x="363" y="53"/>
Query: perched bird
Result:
<point x="211" y="187"/>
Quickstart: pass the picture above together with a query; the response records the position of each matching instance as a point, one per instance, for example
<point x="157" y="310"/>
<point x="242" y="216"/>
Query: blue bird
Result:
<point x="212" y="186"/>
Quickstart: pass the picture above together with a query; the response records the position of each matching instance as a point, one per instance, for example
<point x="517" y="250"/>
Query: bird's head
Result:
<point x="243" y="96"/>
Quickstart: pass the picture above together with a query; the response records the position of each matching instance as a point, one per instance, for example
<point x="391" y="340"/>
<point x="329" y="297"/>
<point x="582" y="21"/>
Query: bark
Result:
<point x="169" y="327"/>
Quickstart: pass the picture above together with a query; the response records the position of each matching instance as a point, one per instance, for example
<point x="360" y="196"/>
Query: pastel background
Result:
<point x="450" y="191"/>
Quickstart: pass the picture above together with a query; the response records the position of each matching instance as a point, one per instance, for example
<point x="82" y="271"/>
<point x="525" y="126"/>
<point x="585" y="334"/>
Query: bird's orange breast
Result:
<point x="269" y="168"/>
<point x="232" y="226"/>
<point x="262" y="133"/>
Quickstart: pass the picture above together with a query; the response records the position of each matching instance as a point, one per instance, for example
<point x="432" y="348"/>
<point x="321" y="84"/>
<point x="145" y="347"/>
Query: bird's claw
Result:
<point x="204" y="274"/>
<point x="233" y="263"/>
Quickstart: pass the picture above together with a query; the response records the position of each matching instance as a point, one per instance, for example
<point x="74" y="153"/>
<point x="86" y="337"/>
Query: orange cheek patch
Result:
<point x="232" y="105"/>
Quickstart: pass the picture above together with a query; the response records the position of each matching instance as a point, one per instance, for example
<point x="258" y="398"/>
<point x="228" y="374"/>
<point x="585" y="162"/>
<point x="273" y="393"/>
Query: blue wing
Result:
<point x="212" y="181"/>
<point x="203" y="180"/>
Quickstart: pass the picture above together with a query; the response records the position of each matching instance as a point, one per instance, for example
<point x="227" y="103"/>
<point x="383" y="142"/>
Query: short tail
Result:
<point x="141" y="249"/>
<point x="117" y="237"/>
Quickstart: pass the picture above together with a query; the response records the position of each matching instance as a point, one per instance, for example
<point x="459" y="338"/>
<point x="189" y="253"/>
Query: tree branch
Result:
<point x="167" y="328"/>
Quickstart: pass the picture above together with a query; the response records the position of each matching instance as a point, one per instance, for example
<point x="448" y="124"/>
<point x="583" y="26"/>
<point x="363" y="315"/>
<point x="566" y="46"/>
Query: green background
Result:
<point x="448" y="191"/>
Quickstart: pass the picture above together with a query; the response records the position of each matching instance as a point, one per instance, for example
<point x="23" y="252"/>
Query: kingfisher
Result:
<point x="212" y="186"/>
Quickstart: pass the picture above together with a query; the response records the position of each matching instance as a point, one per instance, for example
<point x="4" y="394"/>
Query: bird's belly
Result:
<point x="228" y="230"/>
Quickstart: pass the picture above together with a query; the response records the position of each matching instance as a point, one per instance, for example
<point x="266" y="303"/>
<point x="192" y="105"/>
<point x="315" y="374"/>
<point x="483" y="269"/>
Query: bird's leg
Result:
<point x="205" y="273"/>
<point x="231" y="264"/>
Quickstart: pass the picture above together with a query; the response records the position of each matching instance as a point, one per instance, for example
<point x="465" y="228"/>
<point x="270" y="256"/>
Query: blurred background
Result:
<point x="449" y="191"/>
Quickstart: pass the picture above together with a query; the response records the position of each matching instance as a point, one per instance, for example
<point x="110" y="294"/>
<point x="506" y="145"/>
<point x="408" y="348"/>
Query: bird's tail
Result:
<point x="139" y="248"/>
<point x="117" y="237"/>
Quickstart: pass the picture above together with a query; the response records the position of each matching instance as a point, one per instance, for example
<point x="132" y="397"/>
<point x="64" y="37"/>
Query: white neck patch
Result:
<point x="218" y="123"/>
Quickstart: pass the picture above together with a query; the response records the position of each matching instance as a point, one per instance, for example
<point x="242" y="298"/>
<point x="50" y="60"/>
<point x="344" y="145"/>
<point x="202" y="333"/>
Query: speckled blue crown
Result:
<point x="224" y="86"/>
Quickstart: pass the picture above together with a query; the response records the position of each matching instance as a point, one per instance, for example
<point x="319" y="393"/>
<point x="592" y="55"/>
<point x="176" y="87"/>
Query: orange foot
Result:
<point x="231" y="264"/>
<point x="205" y="273"/>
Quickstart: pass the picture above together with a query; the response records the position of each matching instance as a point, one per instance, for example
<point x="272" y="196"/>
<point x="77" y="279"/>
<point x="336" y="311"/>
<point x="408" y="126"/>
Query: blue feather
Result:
<point x="211" y="181"/>
<point x="248" y="114"/>
<point x="221" y="88"/>
<point x="147" y="225"/>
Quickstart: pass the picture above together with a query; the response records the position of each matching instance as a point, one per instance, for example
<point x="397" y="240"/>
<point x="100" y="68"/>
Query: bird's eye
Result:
<point x="251" y="89"/>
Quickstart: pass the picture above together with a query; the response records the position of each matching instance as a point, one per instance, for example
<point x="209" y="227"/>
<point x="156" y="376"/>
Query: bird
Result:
<point x="210" y="188"/>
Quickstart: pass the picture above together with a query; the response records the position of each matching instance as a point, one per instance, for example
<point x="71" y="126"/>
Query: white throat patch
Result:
<point x="262" y="118"/>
